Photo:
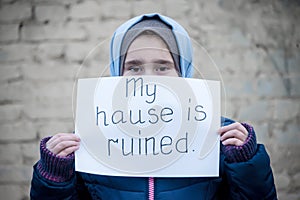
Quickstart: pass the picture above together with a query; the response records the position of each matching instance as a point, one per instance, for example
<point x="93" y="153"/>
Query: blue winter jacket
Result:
<point x="250" y="179"/>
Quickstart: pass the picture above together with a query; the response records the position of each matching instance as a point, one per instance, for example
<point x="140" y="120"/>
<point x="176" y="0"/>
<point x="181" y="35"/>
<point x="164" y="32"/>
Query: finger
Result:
<point x="232" y="141"/>
<point x="65" y="136"/>
<point x="63" y="145"/>
<point x="235" y="133"/>
<point x="60" y="137"/>
<point x="68" y="151"/>
<point x="235" y="125"/>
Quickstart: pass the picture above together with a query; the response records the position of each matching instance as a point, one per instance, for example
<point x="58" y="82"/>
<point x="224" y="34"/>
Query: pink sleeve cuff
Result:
<point x="241" y="153"/>
<point x="55" y="168"/>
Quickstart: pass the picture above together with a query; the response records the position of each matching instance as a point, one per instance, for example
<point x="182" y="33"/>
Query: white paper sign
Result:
<point x="148" y="126"/>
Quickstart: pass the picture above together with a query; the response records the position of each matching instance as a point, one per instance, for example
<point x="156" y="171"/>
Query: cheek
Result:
<point x="125" y="73"/>
<point x="128" y="73"/>
<point x="174" y="73"/>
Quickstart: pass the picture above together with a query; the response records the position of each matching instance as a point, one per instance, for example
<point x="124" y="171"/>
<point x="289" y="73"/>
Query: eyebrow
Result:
<point x="134" y="62"/>
<point x="141" y="61"/>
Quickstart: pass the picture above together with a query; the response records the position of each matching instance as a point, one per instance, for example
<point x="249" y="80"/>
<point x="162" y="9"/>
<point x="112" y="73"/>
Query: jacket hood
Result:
<point x="181" y="36"/>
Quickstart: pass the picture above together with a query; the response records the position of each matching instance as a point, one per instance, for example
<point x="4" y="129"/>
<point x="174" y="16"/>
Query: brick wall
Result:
<point x="255" y="45"/>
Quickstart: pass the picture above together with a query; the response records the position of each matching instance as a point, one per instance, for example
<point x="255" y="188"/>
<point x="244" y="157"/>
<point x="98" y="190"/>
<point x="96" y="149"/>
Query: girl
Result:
<point x="153" y="44"/>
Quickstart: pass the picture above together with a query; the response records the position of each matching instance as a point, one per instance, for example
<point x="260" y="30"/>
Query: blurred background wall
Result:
<point x="45" y="46"/>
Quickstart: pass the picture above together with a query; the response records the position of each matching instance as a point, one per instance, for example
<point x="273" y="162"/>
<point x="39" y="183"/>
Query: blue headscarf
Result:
<point x="182" y="38"/>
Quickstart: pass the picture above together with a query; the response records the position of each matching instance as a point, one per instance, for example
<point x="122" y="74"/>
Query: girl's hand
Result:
<point x="233" y="134"/>
<point x="63" y="144"/>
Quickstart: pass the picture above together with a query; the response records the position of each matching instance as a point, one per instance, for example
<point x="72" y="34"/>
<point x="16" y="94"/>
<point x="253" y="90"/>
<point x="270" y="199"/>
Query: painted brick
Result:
<point x="295" y="179"/>
<point x="50" y="51"/>
<point x="18" y="131"/>
<point x="285" y="159"/>
<point x="15" y="12"/>
<point x="16" y="52"/>
<point x="282" y="181"/>
<point x="95" y="29"/>
<point x="141" y="7"/>
<point x="10" y="112"/>
<point x="58" y="90"/>
<point x="79" y="51"/>
<point x="288" y="195"/>
<point x="94" y="69"/>
<point x="227" y="39"/>
<point x="9" y="32"/>
<point x="10" y="154"/>
<point x="35" y="32"/>
<point x="262" y="132"/>
<point x="15" y="92"/>
<point x="176" y="9"/>
<point x="272" y="86"/>
<point x="11" y="191"/>
<point x="295" y="89"/>
<point x="115" y="9"/>
<point x="49" y="108"/>
<point x="10" y="73"/>
<point x="255" y="111"/>
<point x="30" y="153"/>
<point x="287" y="135"/>
<point x="64" y="2"/>
<point x="51" y="71"/>
<point x="85" y="10"/>
<point x="234" y="88"/>
<point x="15" y="173"/>
<point x="53" y="127"/>
<point x="46" y="13"/>
<point x="286" y="109"/>
<point x="293" y="64"/>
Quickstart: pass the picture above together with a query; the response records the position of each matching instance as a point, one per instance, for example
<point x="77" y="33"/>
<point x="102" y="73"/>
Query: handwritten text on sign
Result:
<point x="148" y="126"/>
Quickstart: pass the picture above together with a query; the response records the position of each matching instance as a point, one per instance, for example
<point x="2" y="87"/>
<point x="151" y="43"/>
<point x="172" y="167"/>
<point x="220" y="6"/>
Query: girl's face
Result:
<point x="149" y="55"/>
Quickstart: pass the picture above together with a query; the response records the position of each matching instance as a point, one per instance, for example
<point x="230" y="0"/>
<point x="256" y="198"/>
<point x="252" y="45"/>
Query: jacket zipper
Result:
<point x="151" y="188"/>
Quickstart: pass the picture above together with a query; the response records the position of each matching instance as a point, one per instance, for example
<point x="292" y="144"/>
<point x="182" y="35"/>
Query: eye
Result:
<point x="135" y="69"/>
<point x="162" y="68"/>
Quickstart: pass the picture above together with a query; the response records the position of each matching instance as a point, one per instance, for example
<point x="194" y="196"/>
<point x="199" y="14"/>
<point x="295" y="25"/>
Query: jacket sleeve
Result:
<point x="248" y="174"/>
<point x="54" y="177"/>
<point x="42" y="188"/>
<point x="252" y="179"/>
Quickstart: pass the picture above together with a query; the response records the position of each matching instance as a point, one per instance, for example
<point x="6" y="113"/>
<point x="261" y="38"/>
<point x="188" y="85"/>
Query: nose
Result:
<point x="149" y="69"/>
<point x="149" y="72"/>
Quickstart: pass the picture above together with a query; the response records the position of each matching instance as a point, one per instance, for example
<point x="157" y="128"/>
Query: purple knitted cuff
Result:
<point x="241" y="153"/>
<point x="55" y="168"/>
